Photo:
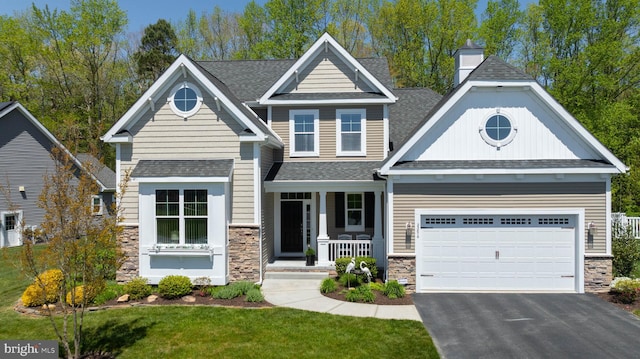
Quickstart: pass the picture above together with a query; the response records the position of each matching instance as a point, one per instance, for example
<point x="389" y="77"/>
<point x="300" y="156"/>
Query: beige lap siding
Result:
<point x="328" y="137"/>
<point x="408" y="197"/>
<point x="209" y="134"/>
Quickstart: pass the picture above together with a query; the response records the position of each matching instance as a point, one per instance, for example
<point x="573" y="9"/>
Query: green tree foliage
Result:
<point x="499" y="28"/>
<point x="157" y="50"/>
<point x="80" y="245"/>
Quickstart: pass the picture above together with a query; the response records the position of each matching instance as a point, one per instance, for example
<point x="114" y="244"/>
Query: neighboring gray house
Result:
<point x="236" y="165"/>
<point x="25" y="148"/>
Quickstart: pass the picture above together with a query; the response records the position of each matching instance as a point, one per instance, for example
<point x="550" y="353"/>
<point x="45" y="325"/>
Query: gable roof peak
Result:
<point x="493" y="68"/>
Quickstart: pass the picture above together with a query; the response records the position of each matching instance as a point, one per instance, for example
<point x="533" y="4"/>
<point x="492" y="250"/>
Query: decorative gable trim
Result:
<point x="326" y="43"/>
<point x="180" y="68"/>
<point x="468" y="86"/>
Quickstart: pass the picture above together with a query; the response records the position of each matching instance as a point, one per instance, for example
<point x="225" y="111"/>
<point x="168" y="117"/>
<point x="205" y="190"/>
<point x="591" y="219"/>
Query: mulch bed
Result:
<point x="381" y="299"/>
<point x="611" y="299"/>
<point x="199" y="300"/>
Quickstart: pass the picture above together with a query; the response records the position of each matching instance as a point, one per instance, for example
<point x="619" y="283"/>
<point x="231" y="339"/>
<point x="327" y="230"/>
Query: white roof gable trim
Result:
<point x="147" y="100"/>
<point x="319" y="46"/>
<point x="52" y="138"/>
<point x="543" y="95"/>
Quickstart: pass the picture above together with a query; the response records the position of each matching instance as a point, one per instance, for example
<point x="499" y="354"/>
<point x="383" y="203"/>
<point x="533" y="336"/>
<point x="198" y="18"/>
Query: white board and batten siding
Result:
<point x="505" y="250"/>
<point x="540" y="132"/>
<point x="326" y="73"/>
<point x="209" y="134"/>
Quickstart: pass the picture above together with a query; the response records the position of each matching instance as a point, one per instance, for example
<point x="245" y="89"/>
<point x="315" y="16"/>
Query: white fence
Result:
<point x="631" y="222"/>
<point x="349" y="248"/>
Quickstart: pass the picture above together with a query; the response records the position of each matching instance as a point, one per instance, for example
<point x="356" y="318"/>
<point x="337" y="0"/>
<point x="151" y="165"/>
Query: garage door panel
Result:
<point x="488" y="256"/>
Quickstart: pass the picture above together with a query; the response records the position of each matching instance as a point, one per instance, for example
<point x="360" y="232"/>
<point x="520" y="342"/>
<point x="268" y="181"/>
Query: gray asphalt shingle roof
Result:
<point x="183" y="168"/>
<point x="103" y="173"/>
<point x="4" y="105"/>
<point x="250" y="79"/>
<point x="329" y="96"/>
<point x="494" y="68"/>
<point x="323" y="171"/>
<point x="501" y="164"/>
<point x="412" y="105"/>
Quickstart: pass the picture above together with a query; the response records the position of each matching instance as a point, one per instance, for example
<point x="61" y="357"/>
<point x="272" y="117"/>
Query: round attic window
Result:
<point x="185" y="99"/>
<point x="498" y="130"/>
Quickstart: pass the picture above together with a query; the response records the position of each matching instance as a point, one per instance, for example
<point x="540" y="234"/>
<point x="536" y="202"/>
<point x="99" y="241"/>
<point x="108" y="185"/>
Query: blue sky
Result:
<point x="144" y="12"/>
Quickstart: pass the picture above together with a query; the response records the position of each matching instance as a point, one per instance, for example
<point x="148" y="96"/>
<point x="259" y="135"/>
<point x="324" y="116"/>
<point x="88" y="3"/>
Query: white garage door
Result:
<point x="496" y="253"/>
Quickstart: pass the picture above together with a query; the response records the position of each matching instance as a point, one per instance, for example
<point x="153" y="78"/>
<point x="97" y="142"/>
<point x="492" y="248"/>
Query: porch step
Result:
<point x="269" y="274"/>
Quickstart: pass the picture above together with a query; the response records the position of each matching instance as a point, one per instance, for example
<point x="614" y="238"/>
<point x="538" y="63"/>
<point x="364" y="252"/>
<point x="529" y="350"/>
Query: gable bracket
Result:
<point x="184" y="70"/>
<point x="357" y="72"/>
<point x="326" y="46"/>
<point x="152" y="104"/>
<point x="217" y="102"/>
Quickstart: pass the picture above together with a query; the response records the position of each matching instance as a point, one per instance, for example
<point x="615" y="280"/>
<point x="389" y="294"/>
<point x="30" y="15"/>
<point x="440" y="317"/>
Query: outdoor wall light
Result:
<point x="21" y="188"/>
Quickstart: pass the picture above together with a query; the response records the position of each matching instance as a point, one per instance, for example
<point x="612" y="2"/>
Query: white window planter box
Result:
<point x="185" y="251"/>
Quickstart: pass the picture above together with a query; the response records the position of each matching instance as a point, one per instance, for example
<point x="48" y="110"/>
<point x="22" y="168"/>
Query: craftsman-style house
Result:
<point x="236" y="164"/>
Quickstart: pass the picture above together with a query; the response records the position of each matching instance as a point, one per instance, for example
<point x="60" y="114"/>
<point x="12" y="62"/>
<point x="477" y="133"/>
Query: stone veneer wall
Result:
<point x="129" y="243"/>
<point x="244" y="252"/>
<point x="598" y="273"/>
<point x="403" y="266"/>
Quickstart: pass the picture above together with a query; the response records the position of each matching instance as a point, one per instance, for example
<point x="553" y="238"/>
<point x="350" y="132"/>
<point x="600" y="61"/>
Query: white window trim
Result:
<point x="491" y="141"/>
<point x="316" y="134"/>
<point x="181" y="217"/>
<point x="348" y="227"/>
<point x="101" y="210"/>
<point x="172" y="104"/>
<point x="363" y="132"/>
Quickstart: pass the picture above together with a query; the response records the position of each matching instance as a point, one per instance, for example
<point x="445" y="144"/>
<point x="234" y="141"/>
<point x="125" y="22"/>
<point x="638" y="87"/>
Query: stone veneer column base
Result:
<point x="244" y="252"/>
<point x="598" y="273"/>
<point x="129" y="244"/>
<point x="403" y="266"/>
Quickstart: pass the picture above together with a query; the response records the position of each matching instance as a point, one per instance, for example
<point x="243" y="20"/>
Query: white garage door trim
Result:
<point x="576" y="214"/>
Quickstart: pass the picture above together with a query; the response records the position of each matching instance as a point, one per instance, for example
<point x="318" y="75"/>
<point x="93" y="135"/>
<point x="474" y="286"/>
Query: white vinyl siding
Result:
<point x="540" y="133"/>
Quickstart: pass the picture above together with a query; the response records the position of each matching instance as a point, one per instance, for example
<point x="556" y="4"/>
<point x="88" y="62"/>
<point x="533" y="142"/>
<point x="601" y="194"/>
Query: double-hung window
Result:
<point x="304" y="133"/>
<point x="181" y="216"/>
<point x="351" y="132"/>
<point x="96" y="205"/>
<point x="354" y="212"/>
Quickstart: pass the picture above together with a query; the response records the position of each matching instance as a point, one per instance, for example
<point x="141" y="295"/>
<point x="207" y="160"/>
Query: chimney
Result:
<point x="467" y="58"/>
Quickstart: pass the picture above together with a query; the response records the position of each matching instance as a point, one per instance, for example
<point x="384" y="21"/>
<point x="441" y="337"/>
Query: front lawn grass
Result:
<point x="207" y="332"/>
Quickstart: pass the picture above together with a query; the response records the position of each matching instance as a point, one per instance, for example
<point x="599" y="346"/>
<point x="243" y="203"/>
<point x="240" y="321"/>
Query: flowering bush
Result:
<point x="625" y="289"/>
<point x="45" y="289"/>
<point x="78" y="297"/>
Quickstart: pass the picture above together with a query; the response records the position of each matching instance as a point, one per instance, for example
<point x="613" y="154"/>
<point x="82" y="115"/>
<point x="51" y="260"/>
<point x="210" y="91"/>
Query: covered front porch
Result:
<point x="337" y="218"/>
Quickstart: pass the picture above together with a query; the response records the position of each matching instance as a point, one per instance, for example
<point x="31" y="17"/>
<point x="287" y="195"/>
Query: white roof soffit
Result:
<point x="537" y="90"/>
<point x="180" y="67"/>
<point x="314" y="50"/>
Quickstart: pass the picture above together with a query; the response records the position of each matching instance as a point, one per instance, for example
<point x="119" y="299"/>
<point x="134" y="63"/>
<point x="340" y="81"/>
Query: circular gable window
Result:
<point x="498" y="130"/>
<point x="185" y="99"/>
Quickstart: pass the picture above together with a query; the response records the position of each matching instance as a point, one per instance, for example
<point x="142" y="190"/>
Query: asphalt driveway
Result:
<point x="492" y="325"/>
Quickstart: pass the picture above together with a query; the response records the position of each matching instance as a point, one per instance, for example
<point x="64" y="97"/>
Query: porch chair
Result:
<point x="363" y="236"/>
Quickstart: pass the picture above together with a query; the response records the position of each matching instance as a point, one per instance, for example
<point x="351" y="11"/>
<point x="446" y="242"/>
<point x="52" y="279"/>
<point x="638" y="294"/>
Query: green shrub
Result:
<point x="174" y="286"/>
<point x="366" y="294"/>
<point x="349" y="280"/>
<point x="328" y="285"/>
<point x="254" y="295"/>
<point x="137" y="288"/>
<point x="626" y="250"/>
<point x="625" y="290"/>
<point x="393" y="289"/>
<point x="226" y="292"/>
<point x="377" y="286"/>
<point x="243" y="286"/>
<point x="45" y="289"/>
<point x="111" y="291"/>
<point x="342" y="263"/>
<point x="352" y="296"/>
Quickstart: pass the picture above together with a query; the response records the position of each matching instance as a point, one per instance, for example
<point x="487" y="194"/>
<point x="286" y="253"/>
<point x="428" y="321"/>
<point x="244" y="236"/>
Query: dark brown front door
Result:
<point x="291" y="226"/>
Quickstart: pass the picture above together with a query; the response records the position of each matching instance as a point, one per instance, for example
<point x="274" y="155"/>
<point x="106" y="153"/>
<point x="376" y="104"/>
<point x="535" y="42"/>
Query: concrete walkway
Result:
<point x="305" y="294"/>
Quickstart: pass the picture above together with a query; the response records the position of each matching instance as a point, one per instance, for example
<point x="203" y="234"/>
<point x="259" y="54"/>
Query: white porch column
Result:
<point x="378" y="241"/>
<point x="323" y="238"/>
